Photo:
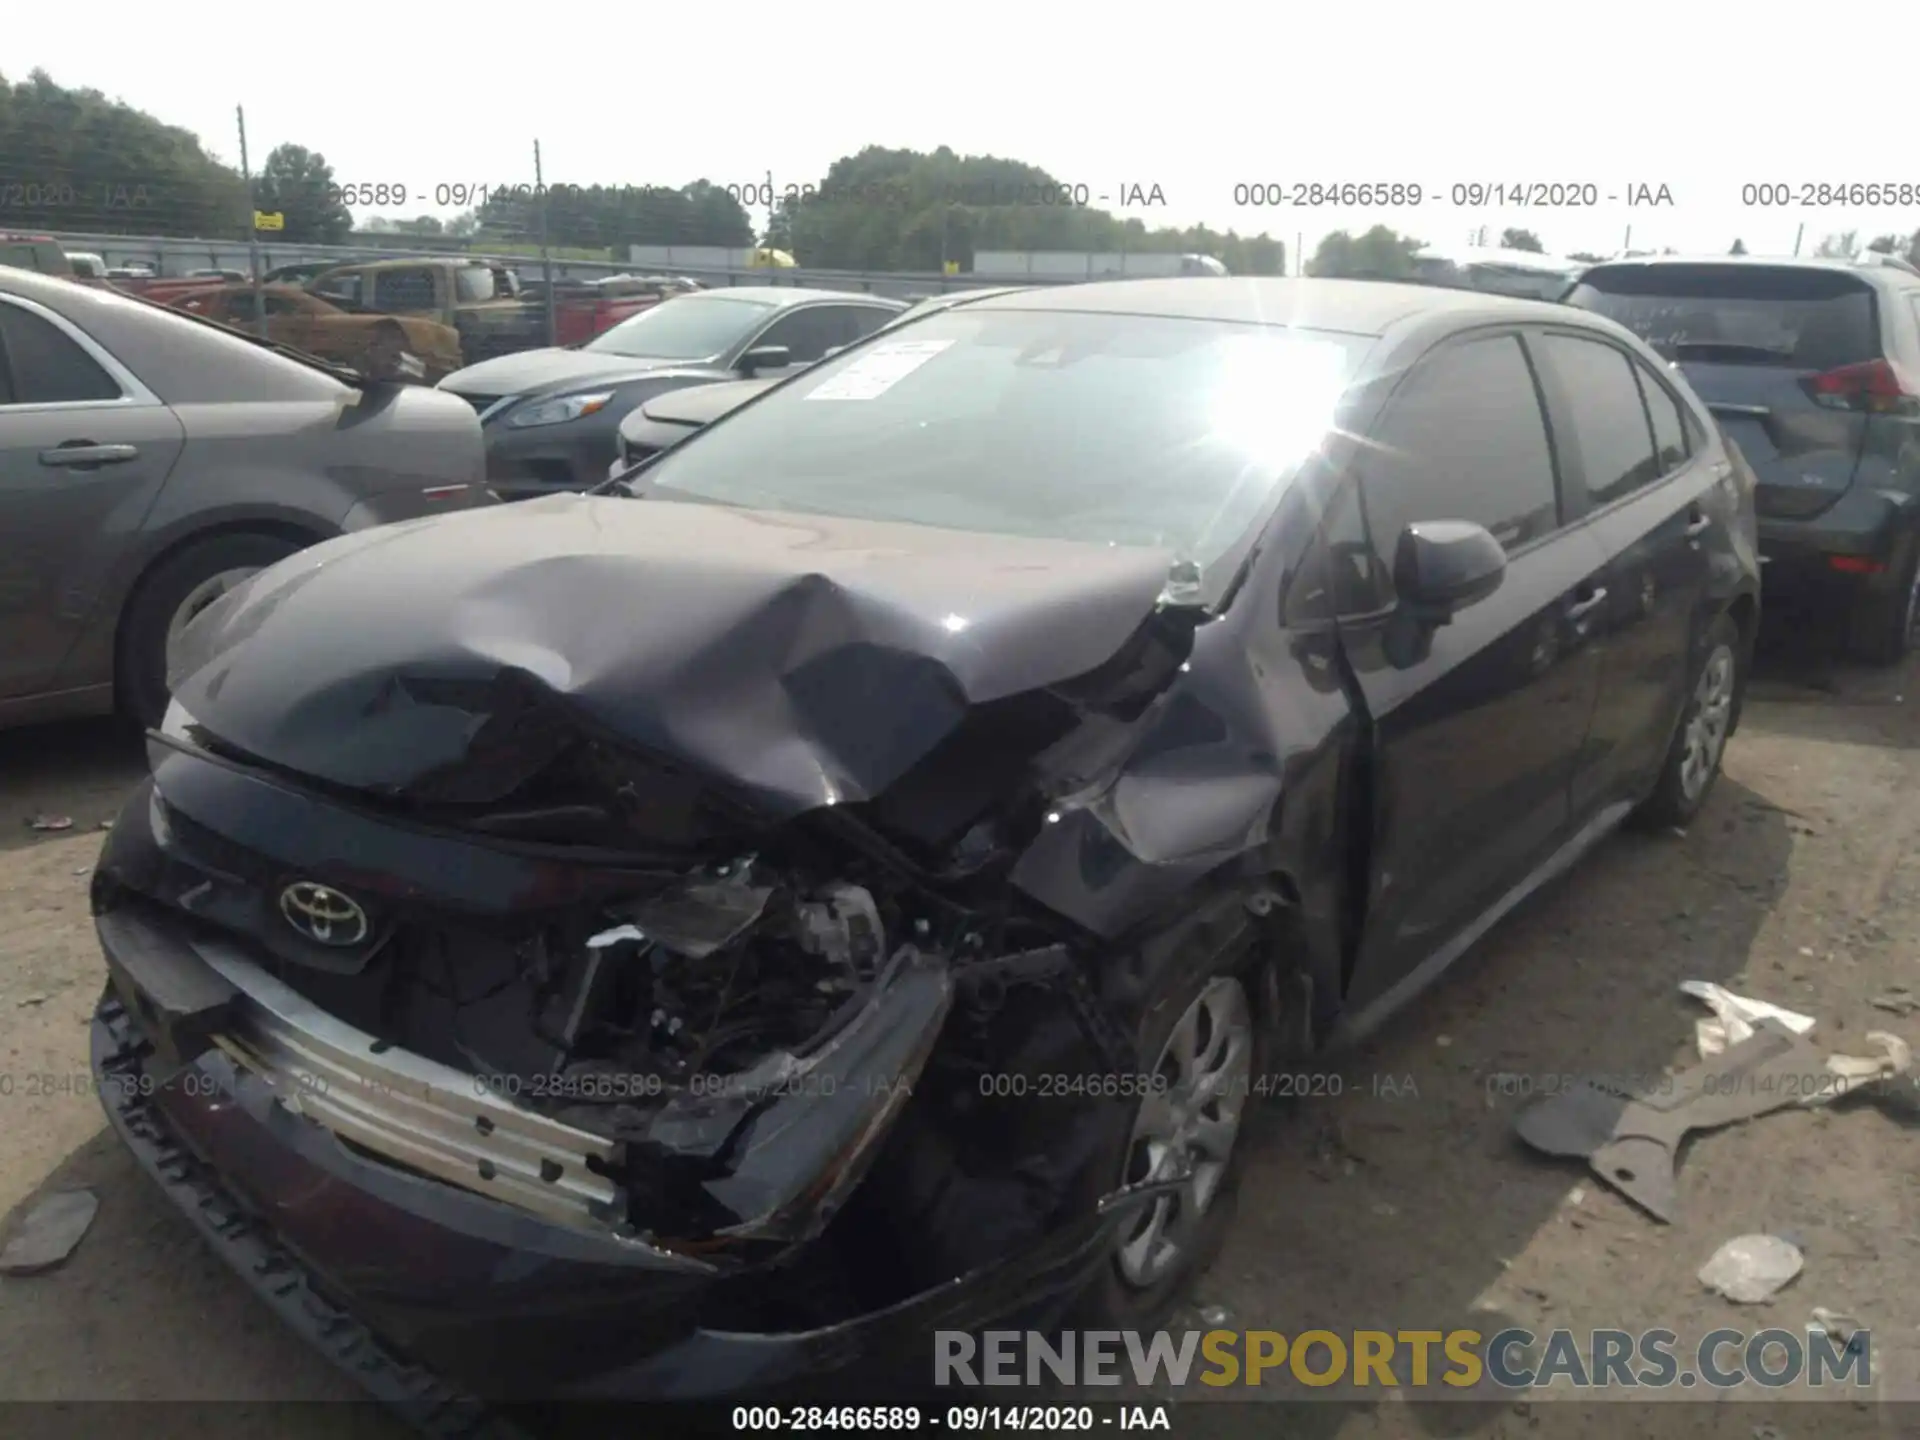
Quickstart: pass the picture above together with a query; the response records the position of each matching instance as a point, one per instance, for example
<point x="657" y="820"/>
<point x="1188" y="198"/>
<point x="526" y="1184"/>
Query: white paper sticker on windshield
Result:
<point x="879" y="370"/>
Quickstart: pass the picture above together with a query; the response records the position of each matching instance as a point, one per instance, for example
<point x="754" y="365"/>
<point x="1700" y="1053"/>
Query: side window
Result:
<point x="1464" y="439"/>
<point x="46" y="366"/>
<point x="1607" y="416"/>
<point x="866" y="320"/>
<point x="283" y="305"/>
<point x="344" y="288"/>
<point x="399" y="291"/>
<point x="1670" y="439"/>
<point x="806" y="333"/>
<point x="1340" y="575"/>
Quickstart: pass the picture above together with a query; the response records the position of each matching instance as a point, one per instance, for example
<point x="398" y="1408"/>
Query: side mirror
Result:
<point x="764" y="357"/>
<point x="1440" y="566"/>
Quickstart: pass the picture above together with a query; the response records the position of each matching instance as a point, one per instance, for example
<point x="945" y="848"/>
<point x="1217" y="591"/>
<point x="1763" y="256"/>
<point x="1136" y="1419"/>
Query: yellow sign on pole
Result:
<point x="269" y="220"/>
<point x="952" y="267"/>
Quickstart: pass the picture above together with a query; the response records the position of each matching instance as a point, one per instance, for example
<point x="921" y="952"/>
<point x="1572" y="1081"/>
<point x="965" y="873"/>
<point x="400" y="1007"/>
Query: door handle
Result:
<point x="1697" y="522"/>
<point x="1580" y="609"/>
<point x="80" y="453"/>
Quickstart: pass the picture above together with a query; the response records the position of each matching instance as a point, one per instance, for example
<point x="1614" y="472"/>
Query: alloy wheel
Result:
<point x="1708" y="722"/>
<point x="1186" y="1129"/>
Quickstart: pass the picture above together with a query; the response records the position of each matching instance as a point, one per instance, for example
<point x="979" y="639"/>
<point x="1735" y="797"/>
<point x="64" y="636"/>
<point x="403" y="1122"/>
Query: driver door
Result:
<point x="1478" y="722"/>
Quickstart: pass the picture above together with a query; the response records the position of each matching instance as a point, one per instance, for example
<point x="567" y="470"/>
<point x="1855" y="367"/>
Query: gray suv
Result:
<point x="149" y="461"/>
<point x="1812" y="368"/>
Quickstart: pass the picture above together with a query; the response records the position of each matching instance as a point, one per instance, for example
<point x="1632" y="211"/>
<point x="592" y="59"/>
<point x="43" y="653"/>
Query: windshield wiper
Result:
<point x="1727" y="349"/>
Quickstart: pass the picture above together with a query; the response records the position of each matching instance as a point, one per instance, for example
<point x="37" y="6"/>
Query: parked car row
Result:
<point x="150" y="461"/>
<point x="1158" y="679"/>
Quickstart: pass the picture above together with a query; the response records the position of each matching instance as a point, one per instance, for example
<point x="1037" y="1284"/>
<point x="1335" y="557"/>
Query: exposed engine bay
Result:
<point x="759" y="1048"/>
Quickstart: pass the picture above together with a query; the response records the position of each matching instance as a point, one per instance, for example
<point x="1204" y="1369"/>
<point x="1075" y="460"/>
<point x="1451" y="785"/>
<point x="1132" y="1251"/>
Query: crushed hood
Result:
<point x="804" y="660"/>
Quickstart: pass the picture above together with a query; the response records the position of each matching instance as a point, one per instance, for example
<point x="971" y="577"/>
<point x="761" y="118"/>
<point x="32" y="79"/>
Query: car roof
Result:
<point x="792" y="295"/>
<point x="1861" y="268"/>
<point x="1353" y="307"/>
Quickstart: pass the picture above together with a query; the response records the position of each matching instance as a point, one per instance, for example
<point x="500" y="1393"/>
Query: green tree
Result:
<point x="886" y="209"/>
<point x="1913" y="249"/>
<point x="1517" y="239"/>
<point x="1587" y="257"/>
<point x="1887" y="244"/>
<point x="1739" y="246"/>
<point x="463" y="224"/>
<point x="299" y="184"/>
<point x="422" y="225"/>
<point x="74" y="160"/>
<point x="612" y="217"/>
<point x="1843" y="246"/>
<point x="1378" y="254"/>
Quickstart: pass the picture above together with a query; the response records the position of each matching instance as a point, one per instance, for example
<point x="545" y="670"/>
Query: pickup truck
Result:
<point x="481" y="301"/>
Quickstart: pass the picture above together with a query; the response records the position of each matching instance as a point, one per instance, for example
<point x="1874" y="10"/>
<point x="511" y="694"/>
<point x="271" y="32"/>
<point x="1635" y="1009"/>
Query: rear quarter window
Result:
<point x="1800" y="318"/>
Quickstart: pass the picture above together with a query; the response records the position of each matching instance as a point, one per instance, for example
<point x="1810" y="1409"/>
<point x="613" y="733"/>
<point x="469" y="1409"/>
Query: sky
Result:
<point x="1194" y="102"/>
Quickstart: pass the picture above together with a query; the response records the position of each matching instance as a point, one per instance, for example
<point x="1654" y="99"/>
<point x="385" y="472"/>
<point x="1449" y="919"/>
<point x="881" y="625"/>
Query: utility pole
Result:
<point x="546" y="256"/>
<point x="1626" y="245"/>
<point x="1798" y="236"/>
<point x="768" y="242"/>
<point x="253" y="231"/>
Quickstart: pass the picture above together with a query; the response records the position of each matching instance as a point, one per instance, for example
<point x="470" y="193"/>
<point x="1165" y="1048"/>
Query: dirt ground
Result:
<point x="1404" y="1203"/>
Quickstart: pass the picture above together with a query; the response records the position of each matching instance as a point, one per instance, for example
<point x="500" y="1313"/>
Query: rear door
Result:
<point x="1637" y="466"/>
<point x="84" y="450"/>
<point x="1478" y="723"/>
<point x="1768" y="348"/>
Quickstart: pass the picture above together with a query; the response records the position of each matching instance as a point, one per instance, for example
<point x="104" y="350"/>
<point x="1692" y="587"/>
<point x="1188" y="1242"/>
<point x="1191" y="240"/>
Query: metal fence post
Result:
<point x="546" y="256"/>
<point x="253" y="230"/>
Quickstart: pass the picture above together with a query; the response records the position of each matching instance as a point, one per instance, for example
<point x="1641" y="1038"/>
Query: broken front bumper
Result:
<point x="429" y="1293"/>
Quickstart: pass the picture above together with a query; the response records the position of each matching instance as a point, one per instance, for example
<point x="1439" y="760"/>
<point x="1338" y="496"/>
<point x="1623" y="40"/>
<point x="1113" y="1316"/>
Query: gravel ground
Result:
<point x="1402" y="1203"/>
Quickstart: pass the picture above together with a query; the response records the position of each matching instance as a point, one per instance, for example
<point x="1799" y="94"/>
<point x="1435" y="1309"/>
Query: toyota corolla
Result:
<point x="846" y="877"/>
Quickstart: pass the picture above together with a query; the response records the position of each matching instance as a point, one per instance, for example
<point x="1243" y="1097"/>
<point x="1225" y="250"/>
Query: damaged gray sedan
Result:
<point x="850" y="876"/>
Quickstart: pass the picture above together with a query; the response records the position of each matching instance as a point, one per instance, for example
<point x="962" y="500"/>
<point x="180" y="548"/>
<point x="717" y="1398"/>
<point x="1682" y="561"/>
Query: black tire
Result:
<point x="142" y="660"/>
<point x="1225" y="945"/>
<point x="1881" y="624"/>
<point x="1680" y="792"/>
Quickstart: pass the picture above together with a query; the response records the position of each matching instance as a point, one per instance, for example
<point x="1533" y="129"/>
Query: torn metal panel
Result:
<point x="1633" y="1141"/>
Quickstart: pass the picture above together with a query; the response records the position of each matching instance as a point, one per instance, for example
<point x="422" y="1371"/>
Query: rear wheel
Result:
<point x="171" y="596"/>
<point x="1881" y="627"/>
<point x="1693" y="760"/>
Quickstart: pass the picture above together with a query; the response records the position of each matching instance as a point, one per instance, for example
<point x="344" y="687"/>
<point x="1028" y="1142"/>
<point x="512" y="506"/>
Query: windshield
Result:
<point x="687" y="327"/>
<point x="1797" y="316"/>
<point x="1167" y="433"/>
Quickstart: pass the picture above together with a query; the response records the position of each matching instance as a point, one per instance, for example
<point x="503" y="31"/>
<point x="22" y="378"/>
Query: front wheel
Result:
<point x="1201" y="1042"/>
<point x="1693" y="760"/>
<point x="170" y="598"/>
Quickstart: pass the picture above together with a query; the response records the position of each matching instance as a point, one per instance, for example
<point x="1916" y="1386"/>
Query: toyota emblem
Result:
<point x="322" y="914"/>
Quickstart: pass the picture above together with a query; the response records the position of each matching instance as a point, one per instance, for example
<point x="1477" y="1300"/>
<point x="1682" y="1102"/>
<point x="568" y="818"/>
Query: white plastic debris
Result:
<point x="1751" y="1268"/>
<point x="1853" y="1071"/>
<point x="615" y="936"/>
<point x="50" y="822"/>
<point x="1733" y="1017"/>
<point x="50" y="1232"/>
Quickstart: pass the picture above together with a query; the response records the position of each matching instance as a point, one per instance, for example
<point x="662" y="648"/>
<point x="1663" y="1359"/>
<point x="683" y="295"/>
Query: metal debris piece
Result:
<point x="1836" y="1323"/>
<point x="50" y="1232"/>
<point x="1734" y="1017"/>
<point x="1751" y="1268"/>
<point x="1213" y="1316"/>
<point x="1897" y="1000"/>
<point x="27" y="1002"/>
<point x="50" y="822"/>
<point x="1633" y="1141"/>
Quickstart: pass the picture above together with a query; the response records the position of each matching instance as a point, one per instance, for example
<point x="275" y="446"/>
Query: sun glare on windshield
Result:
<point x="1274" y="399"/>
